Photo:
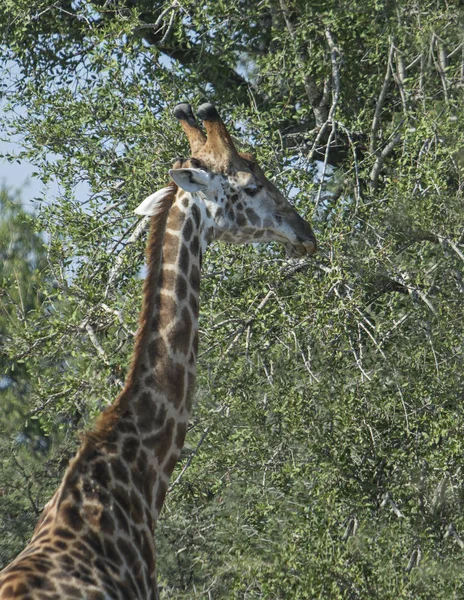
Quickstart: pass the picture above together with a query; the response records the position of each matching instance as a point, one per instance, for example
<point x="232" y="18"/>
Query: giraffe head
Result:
<point x="243" y="205"/>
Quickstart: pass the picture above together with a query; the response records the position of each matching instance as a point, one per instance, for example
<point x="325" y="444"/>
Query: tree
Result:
<point x="324" y="456"/>
<point x="25" y="462"/>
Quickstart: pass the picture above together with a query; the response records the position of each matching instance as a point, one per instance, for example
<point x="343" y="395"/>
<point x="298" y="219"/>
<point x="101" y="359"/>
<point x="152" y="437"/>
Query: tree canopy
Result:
<point x="325" y="454"/>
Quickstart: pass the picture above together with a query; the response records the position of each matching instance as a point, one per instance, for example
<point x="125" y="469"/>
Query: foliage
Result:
<point x="26" y="467"/>
<point x="330" y="389"/>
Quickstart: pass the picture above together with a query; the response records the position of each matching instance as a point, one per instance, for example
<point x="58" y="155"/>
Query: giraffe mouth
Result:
<point x="301" y="241"/>
<point x="304" y="248"/>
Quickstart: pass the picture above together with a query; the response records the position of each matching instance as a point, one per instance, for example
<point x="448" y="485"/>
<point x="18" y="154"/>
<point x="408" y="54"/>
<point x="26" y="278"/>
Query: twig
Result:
<point x="441" y="63"/>
<point x="357" y="188"/>
<point x="451" y="532"/>
<point x="249" y="322"/>
<point x="96" y="343"/>
<point x="414" y="559"/>
<point x="100" y="351"/>
<point x="324" y="168"/>
<point x="334" y="51"/>
<point x="27" y="480"/>
<point x="50" y="400"/>
<point x="139" y="230"/>
<point x="375" y="172"/>
<point x="380" y="102"/>
<point x="453" y="52"/>
<point x="157" y="24"/>
<point x="388" y="500"/>
<point x="358" y="360"/>
<point x="118" y="314"/>
<point x="406" y="418"/>
<point x="318" y="103"/>
<point x="456" y="249"/>
<point x="351" y="528"/>
<point x="306" y="361"/>
<point x="399" y="78"/>
<point x="169" y="27"/>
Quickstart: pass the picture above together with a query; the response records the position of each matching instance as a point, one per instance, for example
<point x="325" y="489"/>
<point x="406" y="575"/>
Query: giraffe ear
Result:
<point x="154" y="203"/>
<point x="191" y="180"/>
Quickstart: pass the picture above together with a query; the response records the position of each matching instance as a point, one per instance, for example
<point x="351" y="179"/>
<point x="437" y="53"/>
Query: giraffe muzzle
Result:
<point x="305" y="240"/>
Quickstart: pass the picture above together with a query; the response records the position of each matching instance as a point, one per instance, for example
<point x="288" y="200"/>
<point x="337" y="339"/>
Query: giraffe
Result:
<point x="94" y="539"/>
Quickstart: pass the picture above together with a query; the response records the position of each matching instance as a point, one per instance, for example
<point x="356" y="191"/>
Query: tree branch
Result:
<point x="318" y="99"/>
<point x="380" y="102"/>
<point x="375" y="172"/>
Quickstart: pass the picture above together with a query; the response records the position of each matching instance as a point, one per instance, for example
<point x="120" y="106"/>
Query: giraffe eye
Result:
<point x="252" y="191"/>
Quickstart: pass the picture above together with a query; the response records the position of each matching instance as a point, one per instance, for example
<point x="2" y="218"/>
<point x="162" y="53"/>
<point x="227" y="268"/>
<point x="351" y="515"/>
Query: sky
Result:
<point x="16" y="176"/>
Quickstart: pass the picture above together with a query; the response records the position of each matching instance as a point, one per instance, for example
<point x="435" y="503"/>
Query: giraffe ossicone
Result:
<point x="94" y="539"/>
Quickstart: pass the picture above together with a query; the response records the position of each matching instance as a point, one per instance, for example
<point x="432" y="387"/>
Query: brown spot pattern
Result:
<point x="195" y="278"/>
<point x="193" y="304"/>
<point x="196" y="215"/>
<point x="176" y="218"/>
<point x="119" y="470"/>
<point x="101" y="473"/>
<point x="252" y="216"/>
<point x="181" y="287"/>
<point x="160" y="416"/>
<point x="156" y="348"/>
<point x="171" y="245"/>
<point x="72" y="517"/>
<point x="145" y="410"/>
<point x="188" y="230"/>
<point x="241" y="221"/>
<point x="170" y="464"/>
<point x="179" y="335"/>
<point x="106" y="523"/>
<point x="136" y="507"/>
<point x="161" y="441"/>
<point x="184" y="259"/>
<point x="129" y="449"/>
<point x="195" y="246"/>
<point x="160" y="494"/>
<point x="127" y="551"/>
<point x="180" y="434"/>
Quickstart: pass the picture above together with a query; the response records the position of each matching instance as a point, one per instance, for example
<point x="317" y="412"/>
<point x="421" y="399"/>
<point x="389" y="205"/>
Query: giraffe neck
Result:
<point x="113" y="490"/>
<point x="154" y="409"/>
<point x="164" y="365"/>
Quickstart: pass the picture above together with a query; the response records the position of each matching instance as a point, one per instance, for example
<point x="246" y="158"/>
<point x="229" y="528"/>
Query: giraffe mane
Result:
<point x="154" y="256"/>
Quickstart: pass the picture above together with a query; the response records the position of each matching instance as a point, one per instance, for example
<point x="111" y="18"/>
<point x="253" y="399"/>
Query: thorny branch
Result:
<point x="335" y="86"/>
<point x="399" y="76"/>
<point x="249" y="322"/>
<point x="441" y="62"/>
<point x="114" y="272"/>
<point x="27" y="480"/>
<point x="380" y="102"/>
<point x="451" y="532"/>
<point x="414" y="559"/>
<point x="375" y="171"/>
<point x="388" y="501"/>
<point x="317" y="100"/>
